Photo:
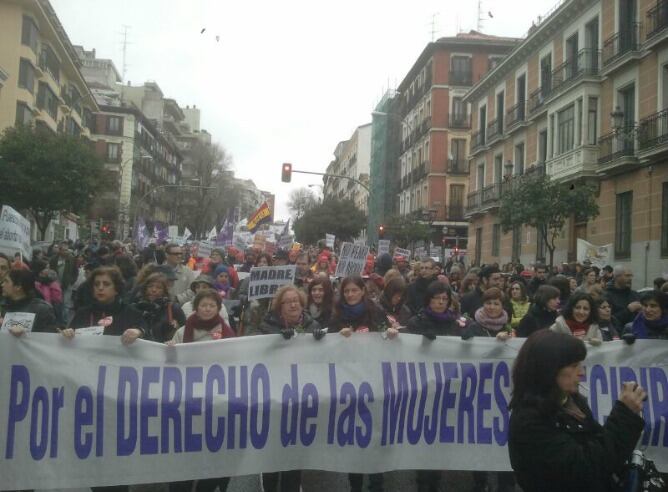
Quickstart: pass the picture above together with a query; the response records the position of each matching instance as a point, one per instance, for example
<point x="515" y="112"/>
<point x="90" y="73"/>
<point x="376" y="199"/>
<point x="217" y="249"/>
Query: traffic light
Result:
<point x="381" y="231"/>
<point x="106" y="231"/>
<point x="286" y="173"/>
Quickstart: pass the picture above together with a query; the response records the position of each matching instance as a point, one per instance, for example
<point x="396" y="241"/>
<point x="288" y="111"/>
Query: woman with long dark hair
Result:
<point x="554" y="442"/>
<point x="519" y="301"/>
<point x="20" y="296"/>
<point x="393" y="302"/>
<point x="579" y="318"/>
<point x="320" y="304"/>
<point x="542" y="313"/>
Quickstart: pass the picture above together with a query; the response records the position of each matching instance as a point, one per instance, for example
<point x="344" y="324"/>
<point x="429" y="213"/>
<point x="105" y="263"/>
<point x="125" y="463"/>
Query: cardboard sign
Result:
<point x="383" y="246"/>
<point x="329" y="240"/>
<point x="285" y="242"/>
<point x="14" y="233"/>
<point x="351" y="260"/>
<point x="25" y="320"/>
<point x="204" y="249"/>
<point x="405" y="253"/>
<point x="265" y="281"/>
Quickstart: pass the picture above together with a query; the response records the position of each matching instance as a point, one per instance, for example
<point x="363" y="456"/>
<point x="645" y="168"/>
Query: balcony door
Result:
<point x="521" y="96"/>
<point x="572" y="56"/>
<point x="627" y="25"/>
<point x="591" y="45"/>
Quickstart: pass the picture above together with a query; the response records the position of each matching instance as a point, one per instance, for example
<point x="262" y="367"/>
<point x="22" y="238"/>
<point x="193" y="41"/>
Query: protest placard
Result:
<point x="204" y="249"/>
<point x="14" y="233"/>
<point x="259" y="241"/>
<point x="351" y="260"/>
<point x="285" y="242"/>
<point x="598" y="256"/>
<point x="383" y="246"/>
<point x="24" y="320"/>
<point x="265" y="281"/>
<point x="405" y="253"/>
<point x="242" y="240"/>
<point x="329" y="240"/>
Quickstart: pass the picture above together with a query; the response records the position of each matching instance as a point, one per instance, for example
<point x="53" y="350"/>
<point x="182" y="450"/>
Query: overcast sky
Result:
<point x="287" y="80"/>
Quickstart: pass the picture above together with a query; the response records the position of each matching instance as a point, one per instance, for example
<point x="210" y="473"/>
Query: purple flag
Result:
<point x="140" y="234"/>
<point x="160" y="232"/>
<point x="225" y="234"/>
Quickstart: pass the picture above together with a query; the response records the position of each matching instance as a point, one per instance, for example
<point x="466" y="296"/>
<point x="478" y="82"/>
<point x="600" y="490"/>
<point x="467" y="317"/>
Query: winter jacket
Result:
<point x="561" y="453"/>
<point x="619" y="299"/>
<point x="611" y="330"/>
<point x="401" y="312"/>
<point x="536" y="319"/>
<point x="520" y="309"/>
<point x="180" y="289"/>
<point x="159" y="316"/>
<point x="593" y="335"/>
<point x="187" y="309"/>
<point x="416" y="293"/>
<point x="533" y="285"/>
<point x="643" y="329"/>
<point x="423" y="324"/>
<point x="45" y="318"/>
<point x="374" y="319"/>
<point x="471" y="302"/>
<point x="273" y="324"/>
<point x="123" y="317"/>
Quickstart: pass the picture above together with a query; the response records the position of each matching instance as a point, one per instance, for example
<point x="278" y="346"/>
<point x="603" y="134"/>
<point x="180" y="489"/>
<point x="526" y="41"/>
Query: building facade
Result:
<point x="40" y="75"/>
<point x="583" y="98"/>
<point x="352" y="158"/>
<point x="431" y="166"/>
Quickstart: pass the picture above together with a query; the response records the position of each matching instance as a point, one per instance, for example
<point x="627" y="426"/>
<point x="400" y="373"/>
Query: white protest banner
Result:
<point x="23" y="320"/>
<point x="383" y="246"/>
<point x="173" y="233"/>
<point x="265" y="281"/>
<point x="285" y="243"/>
<point x="204" y="249"/>
<point x="351" y="260"/>
<point x="186" y="234"/>
<point x="91" y="330"/>
<point x="14" y="233"/>
<point x="329" y="240"/>
<point x="152" y="413"/>
<point x="599" y="256"/>
<point x="404" y="253"/>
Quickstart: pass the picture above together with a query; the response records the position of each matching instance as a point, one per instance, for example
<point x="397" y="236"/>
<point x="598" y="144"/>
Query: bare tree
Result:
<point x="301" y="200"/>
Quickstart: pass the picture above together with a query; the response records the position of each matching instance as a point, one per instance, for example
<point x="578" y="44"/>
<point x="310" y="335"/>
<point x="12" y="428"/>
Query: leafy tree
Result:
<point x="404" y="230"/>
<point x="45" y="173"/>
<point x="301" y="200"/>
<point x="546" y="205"/>
<point x="332" y="216"/>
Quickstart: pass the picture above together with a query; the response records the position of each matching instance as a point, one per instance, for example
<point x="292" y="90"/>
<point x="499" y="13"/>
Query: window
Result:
<point x="71" y="127"/>
<point x="49" y="62"/>
<point x="592" y="117"/>
<point x="498" y="168"/>
<point x="542" y="146"/>
<point x="456" y="202"/>
<point x="113" y="152"/>
<point x="628" y="104"/>
<point x="113" y="125"/>
<point x="664" y="220"/>
<point x="478" y="246"/>
<point x="519" y="159"/>
<point x="47" y="100"/>
<point x="496" y="239"/>
<point x="23" y="114"/>
<point x="546" y="75"/>
<point x="30" y="33"/>
<point x="566" y="129"/>
<point x="458" y="155"/>
<point x="500" y="97"/>
<point x="458" y="112"/>
<point x="623" y="225"/>
<point x="27" y="76"/>
<point x="481" y="176"/>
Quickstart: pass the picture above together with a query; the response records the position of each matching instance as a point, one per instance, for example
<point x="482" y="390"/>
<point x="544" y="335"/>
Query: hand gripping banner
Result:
<point x="91" y="412"/>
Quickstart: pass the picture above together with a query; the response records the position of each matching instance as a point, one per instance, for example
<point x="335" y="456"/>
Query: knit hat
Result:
<point x="220" y="269"/>
<point x="202" y="279"/>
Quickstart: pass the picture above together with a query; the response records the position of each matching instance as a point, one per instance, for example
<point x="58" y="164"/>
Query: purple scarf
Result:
<point x="447" y="315"/>
<point x="643" y="328"/>
<point x="492" y="324"/>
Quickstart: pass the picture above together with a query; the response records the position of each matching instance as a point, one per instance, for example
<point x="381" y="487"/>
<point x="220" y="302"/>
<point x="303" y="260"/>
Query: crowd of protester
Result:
<point x="167" y="294"/>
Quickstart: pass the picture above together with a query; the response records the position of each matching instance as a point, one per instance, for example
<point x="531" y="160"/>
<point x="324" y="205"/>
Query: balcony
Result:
<point x="473" y="202"/>
<point x="458" y="166"/>
<point x="491" y="195"/>
<point x="455" y="213"/>
<point x="494" y="131"/>
<point x="653" y="134"/>
<point x="538" y="98"/>
<point x="477" y="141"/>
<point x="621" y="47"/>
<point x="581" y="161"/>
<point x="657" y="21"/>
<point x="586" y="63"/>
<point x="516" y="116"/>
<point x="617" y="150"/>
<point x="459" y="121"/>
<point x="458" y="77"/>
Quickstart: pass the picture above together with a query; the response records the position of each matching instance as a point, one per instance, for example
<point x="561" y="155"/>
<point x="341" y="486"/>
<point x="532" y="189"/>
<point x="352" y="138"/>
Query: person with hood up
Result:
<point x="579" y="319"/>
<point x="221" y="282"/>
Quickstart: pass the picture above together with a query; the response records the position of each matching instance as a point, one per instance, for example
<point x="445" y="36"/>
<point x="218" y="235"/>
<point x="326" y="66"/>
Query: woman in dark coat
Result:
<point x="439" y="316"/>
<point x="393" y="302"/>
<point x="287" y="317"/>
<point x="355" y="312"/>
<point x="542" y="313"/>
<point x="163" y="317"/>
<point x="20" y="296"/>
<point x="554" y="442"/>
<point x="320" y="304"/>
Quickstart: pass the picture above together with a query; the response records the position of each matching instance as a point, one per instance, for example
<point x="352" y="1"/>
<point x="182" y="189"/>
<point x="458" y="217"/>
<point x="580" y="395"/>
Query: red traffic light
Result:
<point x="381" y="231"/>
<point x="286" y="173"/>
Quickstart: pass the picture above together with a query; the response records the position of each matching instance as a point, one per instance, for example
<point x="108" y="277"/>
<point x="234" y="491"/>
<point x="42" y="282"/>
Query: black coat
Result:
<point x="401" y="312"/>
<point x="423" y="324"/>
<point x="374" y="318"/>
<point x="157" y="318"/>
<point x="273" y="324"/>
<point x="471" y="302"/>
<point x="416" y="292"/>
<point x="536" y="319"/>
<point x="123" y="317"/>
<point x="45" y="319"/>
<point x="619" y="299"/>
<point x="561" y="453"/>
